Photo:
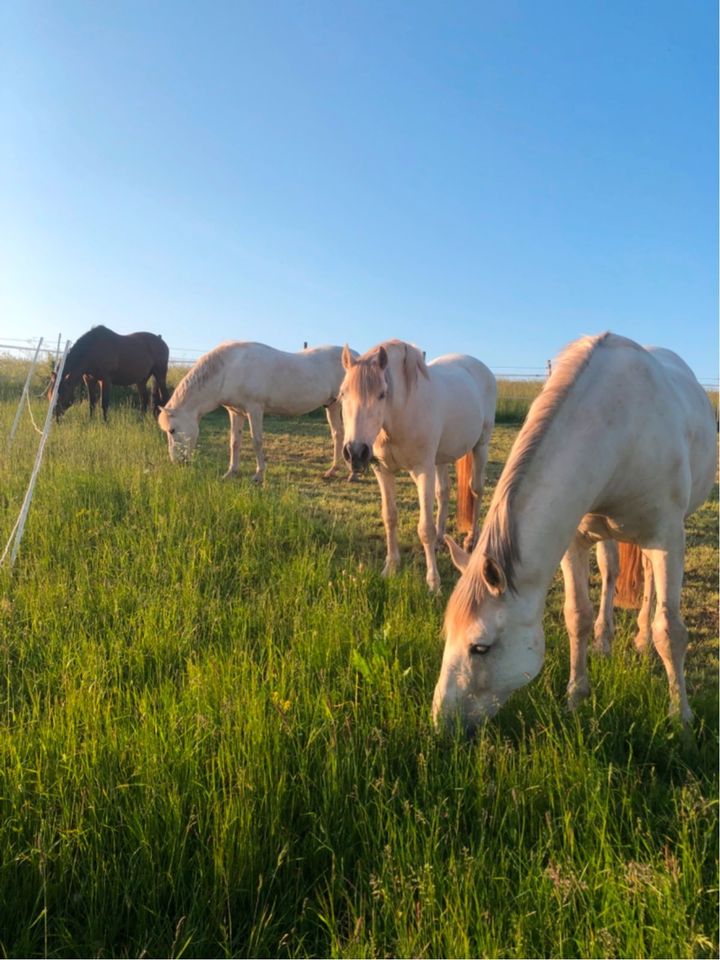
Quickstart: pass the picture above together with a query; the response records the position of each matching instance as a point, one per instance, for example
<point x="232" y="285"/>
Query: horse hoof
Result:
<point x="576" y="696"/>
<point x="329" y="474"/>
<point x="353" y="478"/>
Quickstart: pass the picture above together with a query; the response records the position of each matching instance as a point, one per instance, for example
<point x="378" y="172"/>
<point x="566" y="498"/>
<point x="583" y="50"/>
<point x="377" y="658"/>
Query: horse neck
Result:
<point x="401" y="409"/>
<point x="565" y="476"/>
<point x="200" y="398"/>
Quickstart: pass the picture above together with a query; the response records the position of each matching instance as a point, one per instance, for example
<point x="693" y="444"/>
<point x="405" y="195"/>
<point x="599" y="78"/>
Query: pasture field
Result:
<point x="215" y="729"/>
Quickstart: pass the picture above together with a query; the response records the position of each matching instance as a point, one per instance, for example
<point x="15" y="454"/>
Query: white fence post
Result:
<point x="25" y="390"/>
<point x="20" y="524"/>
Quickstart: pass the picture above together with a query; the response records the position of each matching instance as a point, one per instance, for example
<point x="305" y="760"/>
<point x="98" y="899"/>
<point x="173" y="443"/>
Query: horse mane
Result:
<point x="499" y="535"/>
<point x="367" y="368"/>
<point x="208" y="366"/>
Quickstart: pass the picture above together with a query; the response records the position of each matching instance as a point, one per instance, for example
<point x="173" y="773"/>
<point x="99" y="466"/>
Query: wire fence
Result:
<point x="186" y="357"/>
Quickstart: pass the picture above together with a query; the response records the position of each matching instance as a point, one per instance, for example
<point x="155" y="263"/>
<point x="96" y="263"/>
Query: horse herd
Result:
<point x="618" y="446"/>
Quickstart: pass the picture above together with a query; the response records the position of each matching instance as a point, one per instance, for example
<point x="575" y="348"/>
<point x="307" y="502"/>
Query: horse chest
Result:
<point x="391" y="455"/>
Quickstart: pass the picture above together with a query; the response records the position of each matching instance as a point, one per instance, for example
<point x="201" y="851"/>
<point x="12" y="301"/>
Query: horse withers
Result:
<point x="400" y="413"/>
<point x="619" y="445"/>
<point x="104" y="357"/>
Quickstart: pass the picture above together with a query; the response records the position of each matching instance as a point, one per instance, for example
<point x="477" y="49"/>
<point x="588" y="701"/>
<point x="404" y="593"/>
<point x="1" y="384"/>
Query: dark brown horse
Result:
<point x="108" y="358"/>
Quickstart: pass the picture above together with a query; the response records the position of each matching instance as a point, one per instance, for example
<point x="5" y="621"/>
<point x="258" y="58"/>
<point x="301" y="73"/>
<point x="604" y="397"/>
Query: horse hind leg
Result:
<point x="669" y="633"/>
<point x="236" y="427"/>
<point x="160" y="393"/>
<point x="480" y="454"/>
<point x="334" y="419"/>
<point x="644" y="621"/>
<point x="144" y="396"/>
<point x="609" y="566"/>
<point x="255" y="418"/>
<point x="442" y="498"/>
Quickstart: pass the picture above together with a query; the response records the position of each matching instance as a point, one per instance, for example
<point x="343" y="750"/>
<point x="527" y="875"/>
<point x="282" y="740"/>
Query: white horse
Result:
<point x="619" y="445"/>
<point x="420" y="417"/>
<point x="250" y="380"/>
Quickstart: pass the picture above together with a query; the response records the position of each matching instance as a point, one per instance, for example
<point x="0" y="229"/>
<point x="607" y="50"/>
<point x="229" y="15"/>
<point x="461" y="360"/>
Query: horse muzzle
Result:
<point x="358" y="455"/>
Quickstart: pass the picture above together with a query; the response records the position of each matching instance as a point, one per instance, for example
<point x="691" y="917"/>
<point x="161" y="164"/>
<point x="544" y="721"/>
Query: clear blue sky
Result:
<point x="494" y="177"/>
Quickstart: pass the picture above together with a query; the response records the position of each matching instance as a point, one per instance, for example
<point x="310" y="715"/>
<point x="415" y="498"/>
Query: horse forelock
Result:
<point x="499" y="535"/>
<point x="368" y="378"/>
<point x="464" y="602"/>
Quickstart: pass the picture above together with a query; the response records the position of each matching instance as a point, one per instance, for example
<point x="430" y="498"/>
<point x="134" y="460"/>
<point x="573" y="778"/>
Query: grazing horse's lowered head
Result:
<point x="182" y="428"/>
<point x="495" y="644"/>
<point x="66" y="392"/>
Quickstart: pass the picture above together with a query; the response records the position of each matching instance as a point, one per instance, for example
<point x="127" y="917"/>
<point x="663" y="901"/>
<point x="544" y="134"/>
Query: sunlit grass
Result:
<point x="215" y="734"/>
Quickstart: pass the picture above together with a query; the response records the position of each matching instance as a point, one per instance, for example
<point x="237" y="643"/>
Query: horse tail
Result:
<point x="629" y="587"/>
<point x="465" y="496"/>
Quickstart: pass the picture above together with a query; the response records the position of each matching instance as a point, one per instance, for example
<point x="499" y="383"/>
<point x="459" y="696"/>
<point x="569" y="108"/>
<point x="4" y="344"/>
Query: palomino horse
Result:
<point x="409" y="415"/>
<point x="619" y="445"/>
<point x="250" y="380"/>
<point x="110" y="358"/>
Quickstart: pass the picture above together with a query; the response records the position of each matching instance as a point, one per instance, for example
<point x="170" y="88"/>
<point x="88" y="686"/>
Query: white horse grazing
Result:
<point x="250" y="380"/>
<point x="619" y="445"/>
<point x="419" y="417"/>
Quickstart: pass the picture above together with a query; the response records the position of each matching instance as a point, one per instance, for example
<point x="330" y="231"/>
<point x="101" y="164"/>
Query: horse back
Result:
<point x="654" y="429"/>
<point x="464" y="397"/>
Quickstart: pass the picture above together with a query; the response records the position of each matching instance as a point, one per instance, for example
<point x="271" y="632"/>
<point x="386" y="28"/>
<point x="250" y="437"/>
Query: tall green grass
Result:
<point x="215" y="735"/>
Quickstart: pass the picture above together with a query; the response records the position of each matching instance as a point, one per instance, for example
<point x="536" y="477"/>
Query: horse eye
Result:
<point x="382" y="396"/>
<point x="171" y="430"/>
<point x="478" y="649"/>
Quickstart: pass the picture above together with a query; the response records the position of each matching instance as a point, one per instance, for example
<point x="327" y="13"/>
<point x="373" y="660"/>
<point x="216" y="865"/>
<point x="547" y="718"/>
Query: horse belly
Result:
<point x="461" y="431"/>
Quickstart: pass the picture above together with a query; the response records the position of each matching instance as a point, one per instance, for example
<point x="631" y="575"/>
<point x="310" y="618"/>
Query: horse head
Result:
<point x="362" y="395"/>
<point x="65" y="391"/>
<point x="494" y="643"/>
<point x="182" y="429"/>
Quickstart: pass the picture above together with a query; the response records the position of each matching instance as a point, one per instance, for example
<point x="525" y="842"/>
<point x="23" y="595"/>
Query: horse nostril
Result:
<point x="364" y="453"/>
<point x="346" y="452"/>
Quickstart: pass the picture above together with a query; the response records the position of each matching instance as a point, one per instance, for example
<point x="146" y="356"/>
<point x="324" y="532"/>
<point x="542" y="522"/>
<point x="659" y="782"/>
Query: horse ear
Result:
<point x="494" y="577"/>
<point x="382" y="357"/>
<point x="459" y="556"/>
<point x="347" y="360"/>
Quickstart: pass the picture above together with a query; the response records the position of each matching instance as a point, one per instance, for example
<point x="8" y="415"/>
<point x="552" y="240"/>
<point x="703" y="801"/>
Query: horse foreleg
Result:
<point x="334" y="418"/>
<point x="255" y="418"/>
<point x="105" y="388"/>
<point x="425" y="481"/>
<point x="578" y="616"/>
<point x="92" y="396"/>
<point x="236" y="427"/>
<point x="669" y="633"/>
<point x="644" y="633"/>
<point x="386" y="482"/>
<point x="442" y="497"/>
<point x="609" y="567"/>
